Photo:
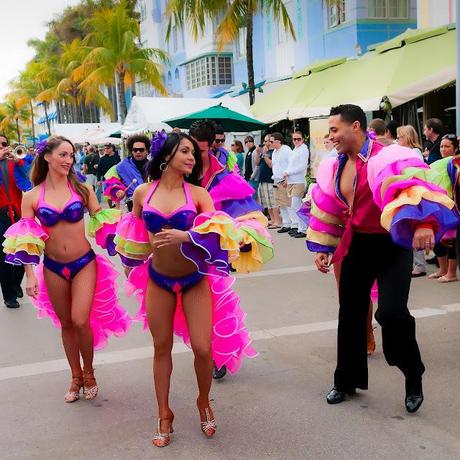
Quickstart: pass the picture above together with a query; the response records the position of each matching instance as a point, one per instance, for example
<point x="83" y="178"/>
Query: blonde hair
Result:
<point x="409" y="134"/>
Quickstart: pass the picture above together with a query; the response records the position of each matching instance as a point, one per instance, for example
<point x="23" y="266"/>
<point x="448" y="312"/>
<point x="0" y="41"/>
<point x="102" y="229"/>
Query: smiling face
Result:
<point x="343" y="134"/>
<point x="184" y="159"/>
<point x="61" y="159"/>
<point x="139" y="151"/>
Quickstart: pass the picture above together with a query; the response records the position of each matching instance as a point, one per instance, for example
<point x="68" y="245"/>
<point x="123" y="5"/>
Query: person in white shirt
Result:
<point x="294" y="176"/>
<point x="280" y="162"/>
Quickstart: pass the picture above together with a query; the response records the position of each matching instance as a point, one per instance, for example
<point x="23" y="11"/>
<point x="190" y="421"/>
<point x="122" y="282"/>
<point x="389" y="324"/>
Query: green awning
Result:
<point x="404" y="68"/>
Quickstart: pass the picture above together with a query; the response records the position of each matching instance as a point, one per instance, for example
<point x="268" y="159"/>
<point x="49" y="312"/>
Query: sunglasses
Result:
<point x="219" y="141"/>
<point x="232" y="145"/>
<point x="4" y="144"/>
<point x="138" y="150"/>
<point x="249" y="142"/>
<point x="296" y="138"/>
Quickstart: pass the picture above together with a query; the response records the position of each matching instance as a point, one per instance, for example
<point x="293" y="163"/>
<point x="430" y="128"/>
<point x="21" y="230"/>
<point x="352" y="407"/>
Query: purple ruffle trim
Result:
<point x="402" y="225"/>
<point x="237" y="208"/>
<point x="304" y="214"/>
<point x="205" y="252"/>
<point x="127" y="262"/>
<point x="22" y="258"/>
<point x="316" y="247"/>
<point x="110" y="245"/>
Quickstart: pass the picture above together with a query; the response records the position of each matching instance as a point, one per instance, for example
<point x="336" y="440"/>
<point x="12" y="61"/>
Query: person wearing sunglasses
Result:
<point x="14" y="179"/>
<point x="238" y="149"/>
<point x="296" y="183"/>
<point x="122" y="179"/>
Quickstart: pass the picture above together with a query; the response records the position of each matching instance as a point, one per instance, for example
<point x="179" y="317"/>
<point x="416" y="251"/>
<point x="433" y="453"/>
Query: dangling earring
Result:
<point x="164" y="166"/>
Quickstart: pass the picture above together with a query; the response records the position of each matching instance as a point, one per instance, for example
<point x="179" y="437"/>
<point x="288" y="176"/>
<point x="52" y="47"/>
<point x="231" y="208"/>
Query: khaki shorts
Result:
<point x="296" y="190"/>
<point x="281" y="196"/>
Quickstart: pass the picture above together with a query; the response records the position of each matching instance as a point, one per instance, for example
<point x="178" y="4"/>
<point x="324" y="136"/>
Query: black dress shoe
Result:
<point x="219" y="373"/>
<point x="284" y="229"/>
<point x="336" y="396"/>
<point x="414" y="395"/>
<point x="12" y="303"/>
<point x="300" y="235"/>
<point x="293" y="231"/>
<point x="19" y="292"/>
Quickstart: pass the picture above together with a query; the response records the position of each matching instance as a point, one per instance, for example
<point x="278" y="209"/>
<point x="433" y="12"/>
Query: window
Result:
<point x="389" y="9"/>
<point x="336" y="12"/>
<point x="209" y="71"/>
<point x="176" y="74"/>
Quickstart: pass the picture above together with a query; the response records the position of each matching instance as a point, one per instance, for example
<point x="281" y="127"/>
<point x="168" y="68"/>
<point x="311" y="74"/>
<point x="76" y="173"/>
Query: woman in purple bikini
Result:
<point x="181" y="249"/>
<point x="73" y="286"/>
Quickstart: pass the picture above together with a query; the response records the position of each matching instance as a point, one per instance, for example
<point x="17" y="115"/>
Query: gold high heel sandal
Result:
<point x="163" y="439"/>
<point x="208" y="427"/>
<point x="74" y="391"/>
<point x="90" y="388"/>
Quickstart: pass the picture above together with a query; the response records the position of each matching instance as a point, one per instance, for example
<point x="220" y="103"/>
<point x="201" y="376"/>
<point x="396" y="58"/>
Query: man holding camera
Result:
<point x="14" y="179"/>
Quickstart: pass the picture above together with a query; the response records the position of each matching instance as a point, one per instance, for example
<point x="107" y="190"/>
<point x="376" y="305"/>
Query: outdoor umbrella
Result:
<point x="228" y="119"/>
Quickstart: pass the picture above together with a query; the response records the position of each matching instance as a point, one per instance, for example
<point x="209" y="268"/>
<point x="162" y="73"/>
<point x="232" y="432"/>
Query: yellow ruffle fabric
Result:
<point x="412" y="196"/>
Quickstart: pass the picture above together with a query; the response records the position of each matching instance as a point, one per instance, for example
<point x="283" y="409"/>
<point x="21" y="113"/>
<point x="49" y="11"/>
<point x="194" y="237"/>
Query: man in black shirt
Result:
<point x="90" y="164"/>
<point x="432" y="130"/>
<point x="110" y="158"/>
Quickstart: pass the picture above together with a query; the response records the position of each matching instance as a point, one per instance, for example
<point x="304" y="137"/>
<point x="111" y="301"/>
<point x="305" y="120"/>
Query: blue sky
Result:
<point x="21" y="20"/>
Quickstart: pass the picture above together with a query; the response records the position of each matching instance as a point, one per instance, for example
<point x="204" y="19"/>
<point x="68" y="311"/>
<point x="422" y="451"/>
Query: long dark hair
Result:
<point x="169" y="149"/>
<point x="40" y="167"/>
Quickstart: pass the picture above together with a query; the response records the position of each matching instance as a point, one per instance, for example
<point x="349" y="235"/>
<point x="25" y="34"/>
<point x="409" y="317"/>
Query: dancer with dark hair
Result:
<point x="181" y="249"/>
<point x="122" y="179"/>
<point x="73" y="286"/>
<point x="232" y="194"/>
<point x="384" y="202"/>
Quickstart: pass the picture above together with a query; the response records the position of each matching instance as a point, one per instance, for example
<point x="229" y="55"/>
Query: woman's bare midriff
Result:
<point x="67" y="242"/>
<point x="169" y="261"/>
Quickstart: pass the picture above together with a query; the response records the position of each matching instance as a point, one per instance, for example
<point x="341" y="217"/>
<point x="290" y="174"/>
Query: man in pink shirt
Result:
<point x="363" y="204"/>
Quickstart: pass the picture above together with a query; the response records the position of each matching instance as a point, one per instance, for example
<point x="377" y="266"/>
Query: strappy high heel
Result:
<point x="208" y="427"/>
<point x="90" y="388"/>
<point x="163" y="439"/>
<point x="74" y="391"/>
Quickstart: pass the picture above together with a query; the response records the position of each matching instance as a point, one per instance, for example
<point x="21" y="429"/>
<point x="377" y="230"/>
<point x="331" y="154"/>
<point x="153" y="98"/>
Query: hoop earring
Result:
<point x="163" y="167"/>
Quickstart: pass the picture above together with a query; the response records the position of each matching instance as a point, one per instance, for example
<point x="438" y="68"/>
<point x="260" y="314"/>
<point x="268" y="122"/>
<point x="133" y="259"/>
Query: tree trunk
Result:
<point x="48" y="125"/>
<point x="18" y="131"/>
<point x="33" y="121"/>
<point x="121" y="96"/>
<point x="250" y="55"/>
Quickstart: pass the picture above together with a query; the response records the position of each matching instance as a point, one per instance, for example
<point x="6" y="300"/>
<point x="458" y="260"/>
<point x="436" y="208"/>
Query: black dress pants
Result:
<point x="375" y="257"/>
<point x="10" y="275"/>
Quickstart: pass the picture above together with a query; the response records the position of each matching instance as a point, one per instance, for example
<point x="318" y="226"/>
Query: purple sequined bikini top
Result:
<point x="181" y="219"/>
<point x="49" y="216"/>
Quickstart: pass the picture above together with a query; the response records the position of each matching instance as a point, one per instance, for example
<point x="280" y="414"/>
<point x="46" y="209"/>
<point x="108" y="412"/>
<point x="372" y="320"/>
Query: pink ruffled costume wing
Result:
<point x="25" y="243"/>
<point x="326" y="223"/>
<point x="214" y="240"/>
<point x="409" y="194"/>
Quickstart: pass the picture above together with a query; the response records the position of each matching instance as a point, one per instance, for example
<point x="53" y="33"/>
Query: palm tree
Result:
<point x="26" y="86"/>
<point x="15" y="112"/>
<point x="236" y="14"/>
<point x="115" y="57"/>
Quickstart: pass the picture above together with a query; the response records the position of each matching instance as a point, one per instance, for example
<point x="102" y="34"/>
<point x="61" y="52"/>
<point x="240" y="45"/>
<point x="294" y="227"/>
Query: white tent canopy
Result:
<point x="94" y="133"/>
<point x="148" y="113"/>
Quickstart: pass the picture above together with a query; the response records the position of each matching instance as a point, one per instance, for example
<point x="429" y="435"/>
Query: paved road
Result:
<point x="274" y="408"/>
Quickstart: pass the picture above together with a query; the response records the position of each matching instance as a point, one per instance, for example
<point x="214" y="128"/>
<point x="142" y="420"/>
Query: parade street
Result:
<point x="273" y="408"/>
